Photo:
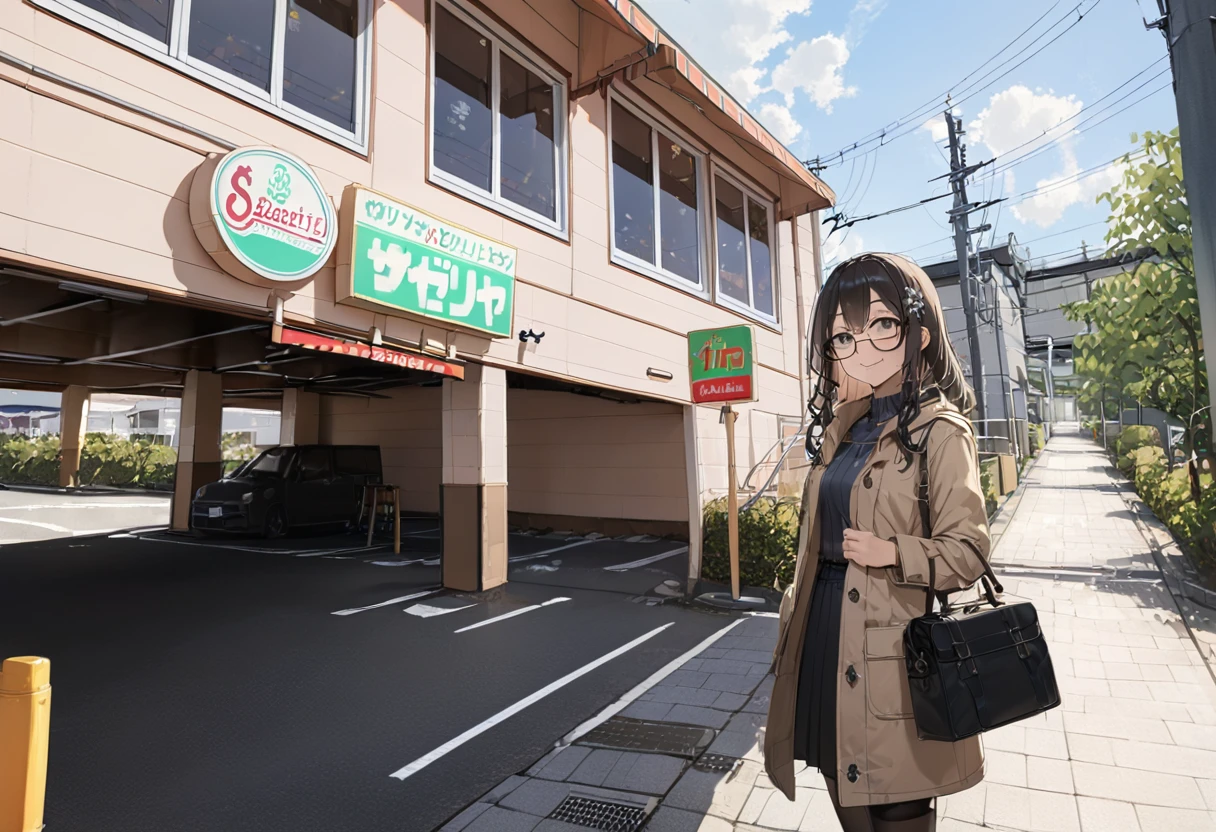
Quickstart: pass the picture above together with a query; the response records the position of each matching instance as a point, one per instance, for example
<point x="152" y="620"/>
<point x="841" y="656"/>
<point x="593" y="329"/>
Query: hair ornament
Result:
<point x="914" y="301"/>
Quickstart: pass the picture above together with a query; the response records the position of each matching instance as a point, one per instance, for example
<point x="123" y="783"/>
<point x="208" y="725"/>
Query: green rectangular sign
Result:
<point x="721" y="364"/>
<point x="407" y="259"/>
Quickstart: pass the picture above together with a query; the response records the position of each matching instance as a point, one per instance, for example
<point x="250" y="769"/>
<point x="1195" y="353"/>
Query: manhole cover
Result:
<point x="716" y="763"/>
<point x="650" y="737"/>
<point x="601" y="814"/>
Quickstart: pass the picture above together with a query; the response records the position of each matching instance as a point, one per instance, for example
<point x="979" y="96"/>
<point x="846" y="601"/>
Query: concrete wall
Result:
<point x="408" y="428"/>
<point x="582" y="456"/>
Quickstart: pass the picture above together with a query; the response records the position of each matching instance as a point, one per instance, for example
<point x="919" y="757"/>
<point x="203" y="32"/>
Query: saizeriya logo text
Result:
<point x="273" y="214"/>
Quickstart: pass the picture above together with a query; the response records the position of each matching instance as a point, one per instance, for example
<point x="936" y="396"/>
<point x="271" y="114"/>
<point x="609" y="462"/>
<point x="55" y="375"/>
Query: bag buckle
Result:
<point x="1020" y="642"/>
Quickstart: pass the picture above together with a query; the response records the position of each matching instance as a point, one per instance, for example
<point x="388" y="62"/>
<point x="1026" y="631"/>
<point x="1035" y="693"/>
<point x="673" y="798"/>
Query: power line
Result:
<point x="967" y="93"/>
<point x="1077" y="130"/>
<point x="879" y="134"/>
<point x="835" y="219"/>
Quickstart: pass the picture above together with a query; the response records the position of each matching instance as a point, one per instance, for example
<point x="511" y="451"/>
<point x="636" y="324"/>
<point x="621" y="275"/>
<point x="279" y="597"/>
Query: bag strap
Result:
<point x="991" y="586"/>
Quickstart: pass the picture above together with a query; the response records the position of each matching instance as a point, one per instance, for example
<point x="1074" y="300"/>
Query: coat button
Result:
<point x="853" y="775"/>
<point x="867" y="482"/>
<point x="854" y="595"/>
<point x="850" y="675"/>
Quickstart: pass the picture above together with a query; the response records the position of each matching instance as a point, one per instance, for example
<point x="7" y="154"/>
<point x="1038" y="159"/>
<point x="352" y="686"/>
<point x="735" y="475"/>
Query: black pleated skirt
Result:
<point x="815" y="711"/>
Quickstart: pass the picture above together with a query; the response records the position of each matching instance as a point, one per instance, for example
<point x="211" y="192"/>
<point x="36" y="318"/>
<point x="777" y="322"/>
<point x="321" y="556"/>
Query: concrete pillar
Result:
<point x="198" y="447"/>
<point x="300" y="419"/>
<point x="692" y="463"/>
<point x="73" y="420"/>
<point x="473" y="500"/>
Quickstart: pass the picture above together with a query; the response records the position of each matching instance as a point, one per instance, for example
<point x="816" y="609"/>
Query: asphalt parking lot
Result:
<point x="241" y="685"/>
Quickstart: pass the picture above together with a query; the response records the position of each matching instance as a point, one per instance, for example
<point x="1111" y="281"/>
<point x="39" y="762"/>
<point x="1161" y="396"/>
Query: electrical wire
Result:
<point x="1077" y="130"/>
<point x="932" y="103"/>
<point x="966" y="94"/>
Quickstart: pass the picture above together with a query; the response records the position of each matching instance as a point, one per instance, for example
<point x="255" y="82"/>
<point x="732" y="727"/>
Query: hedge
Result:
<point x="768" y="538"/>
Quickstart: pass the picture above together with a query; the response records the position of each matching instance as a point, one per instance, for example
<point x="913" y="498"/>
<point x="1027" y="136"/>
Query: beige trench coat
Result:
<point x="875" y="730"/>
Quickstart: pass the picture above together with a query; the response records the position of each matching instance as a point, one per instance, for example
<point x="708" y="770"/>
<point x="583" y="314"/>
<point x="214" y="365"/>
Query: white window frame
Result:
<point x="704" y="211"/>
<point x="175" y="54"/>
<point x="501" y="41"/>
<point x="749" y="193"/>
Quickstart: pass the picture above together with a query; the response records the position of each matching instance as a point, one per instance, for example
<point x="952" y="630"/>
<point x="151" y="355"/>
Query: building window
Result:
<point x="303" y="59"/>
<point x="498" y="121"/>
<point x="657" y="206"/>
<point x="744" y="232"/>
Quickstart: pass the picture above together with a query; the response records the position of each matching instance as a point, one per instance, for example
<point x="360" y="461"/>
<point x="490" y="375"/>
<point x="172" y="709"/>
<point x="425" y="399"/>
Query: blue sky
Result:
<point x="822" y="74"/>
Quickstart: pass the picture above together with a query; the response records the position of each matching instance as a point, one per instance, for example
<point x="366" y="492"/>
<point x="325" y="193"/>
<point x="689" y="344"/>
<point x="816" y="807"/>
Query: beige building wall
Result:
<point x="408" y="429"/>
<point x="582" y="456"/>
<point x="115" y="207"/>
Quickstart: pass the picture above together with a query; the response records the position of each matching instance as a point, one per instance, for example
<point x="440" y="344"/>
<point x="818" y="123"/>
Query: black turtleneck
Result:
<point x="836" y="488"/>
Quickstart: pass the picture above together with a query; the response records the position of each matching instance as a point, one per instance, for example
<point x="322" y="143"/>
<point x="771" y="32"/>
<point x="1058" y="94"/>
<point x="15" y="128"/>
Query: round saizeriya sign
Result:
<point x="272" y="215"/>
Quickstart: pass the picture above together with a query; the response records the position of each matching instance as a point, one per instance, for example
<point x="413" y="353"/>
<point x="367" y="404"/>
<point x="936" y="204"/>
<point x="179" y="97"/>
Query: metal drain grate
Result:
<point x="600" y="814"/>
<point x="716" y="763"/>
<point x="650" y="737"/>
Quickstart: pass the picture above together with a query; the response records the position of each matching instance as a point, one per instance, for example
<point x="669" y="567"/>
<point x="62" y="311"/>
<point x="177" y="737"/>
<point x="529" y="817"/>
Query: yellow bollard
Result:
<point x="25" y="722"/>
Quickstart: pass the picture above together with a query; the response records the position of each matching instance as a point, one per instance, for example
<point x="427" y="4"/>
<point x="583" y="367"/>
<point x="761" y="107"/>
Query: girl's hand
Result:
<point x="864" y="549"/>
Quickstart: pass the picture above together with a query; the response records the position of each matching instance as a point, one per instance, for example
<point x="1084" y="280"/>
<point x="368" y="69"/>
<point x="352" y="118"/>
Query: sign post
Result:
<point x="722" y="371"/>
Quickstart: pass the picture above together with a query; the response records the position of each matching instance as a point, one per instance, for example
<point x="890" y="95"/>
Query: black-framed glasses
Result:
<point x="886" y="333"/>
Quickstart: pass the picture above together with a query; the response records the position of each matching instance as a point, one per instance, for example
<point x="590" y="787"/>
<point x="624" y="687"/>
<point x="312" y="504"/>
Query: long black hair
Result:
<point x="907" y="291"/>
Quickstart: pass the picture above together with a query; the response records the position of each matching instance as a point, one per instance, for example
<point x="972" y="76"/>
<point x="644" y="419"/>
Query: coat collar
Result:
<point x="932" y="405"/>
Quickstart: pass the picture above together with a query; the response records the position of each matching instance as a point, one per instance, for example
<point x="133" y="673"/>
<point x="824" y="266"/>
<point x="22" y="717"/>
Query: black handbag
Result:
<point x="979" y="670"/>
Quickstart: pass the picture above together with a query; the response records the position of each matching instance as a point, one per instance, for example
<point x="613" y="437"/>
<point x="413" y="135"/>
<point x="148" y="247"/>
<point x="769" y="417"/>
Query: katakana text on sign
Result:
<point x="409" y="260"/>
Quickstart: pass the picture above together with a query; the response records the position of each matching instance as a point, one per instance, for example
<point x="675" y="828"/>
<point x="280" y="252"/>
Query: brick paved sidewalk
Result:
<point x="1133" y="747"/>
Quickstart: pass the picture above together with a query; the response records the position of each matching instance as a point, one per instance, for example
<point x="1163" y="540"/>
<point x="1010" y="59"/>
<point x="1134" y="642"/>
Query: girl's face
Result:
<point x="872" y="354"/>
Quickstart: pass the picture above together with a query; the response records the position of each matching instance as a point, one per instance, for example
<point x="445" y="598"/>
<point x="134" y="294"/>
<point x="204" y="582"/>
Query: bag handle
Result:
<point x="991" y="586"/>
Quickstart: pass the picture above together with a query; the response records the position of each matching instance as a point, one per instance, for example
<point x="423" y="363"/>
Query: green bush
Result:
<point x="1132" y="438"/>
<point x="105" y="460"/>
<point x="1038" y="438"/>
<point x="1168" y="494"/>
<point x="990" y="478"/>
<point x="25" y="461"/>
<point x="768" y="538"/>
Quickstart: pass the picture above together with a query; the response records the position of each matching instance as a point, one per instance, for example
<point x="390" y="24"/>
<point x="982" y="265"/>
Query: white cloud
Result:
<point x="841" y="246"/>
<point x="1046" y="209"/>
<point x="730" y="38"/>
<point x="937" y="128"/>
<point x="1018" y="115"/>
<point x="815" y="67"/>
<point x="1018" y="121"/>
<point x="780" y="121"/>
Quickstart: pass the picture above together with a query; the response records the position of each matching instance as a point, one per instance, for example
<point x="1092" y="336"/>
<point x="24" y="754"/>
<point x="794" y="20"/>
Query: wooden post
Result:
<point x="396" y="520"/>
<point x="732" y="501"/>
<point x="371" y="521"/>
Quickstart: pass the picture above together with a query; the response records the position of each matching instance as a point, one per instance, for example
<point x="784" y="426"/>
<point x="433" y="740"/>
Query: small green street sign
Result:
<point x="721" y="364"/>
<point x="406" y="259"/>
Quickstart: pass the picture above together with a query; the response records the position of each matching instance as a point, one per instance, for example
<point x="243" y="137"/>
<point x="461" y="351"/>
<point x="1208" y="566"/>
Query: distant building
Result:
<point x="1002" y="343"/>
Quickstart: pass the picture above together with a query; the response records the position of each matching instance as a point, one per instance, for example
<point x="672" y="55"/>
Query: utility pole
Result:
<point x="966" y="282"/>
<point x="1190" y="31"/>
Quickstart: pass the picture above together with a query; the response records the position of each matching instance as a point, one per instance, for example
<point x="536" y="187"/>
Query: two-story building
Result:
<point x="473" y="232"/>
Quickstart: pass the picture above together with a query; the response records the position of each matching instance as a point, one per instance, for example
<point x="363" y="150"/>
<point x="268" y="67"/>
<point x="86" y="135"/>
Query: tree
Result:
<point x="1145" y="340"/>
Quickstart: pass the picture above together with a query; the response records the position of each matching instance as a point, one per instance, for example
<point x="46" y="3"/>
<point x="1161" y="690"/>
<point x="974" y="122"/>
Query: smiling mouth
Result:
<point x="875" y="364"/>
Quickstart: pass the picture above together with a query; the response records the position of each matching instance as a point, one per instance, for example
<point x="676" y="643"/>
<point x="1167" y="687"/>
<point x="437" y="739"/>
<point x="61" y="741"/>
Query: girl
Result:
<point x="889" y="389"/>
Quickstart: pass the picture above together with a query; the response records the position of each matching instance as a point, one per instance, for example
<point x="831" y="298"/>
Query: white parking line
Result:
<point x="51" y="527"/>
<point x="511" y="614"/>
<point x="428" y="611"/>
<point x="658" y="676"/>
<point x="387" y="603"/>
<point x="451" y="745"/>
<point x="548" y="552"/>
<point x="621" y="567"/>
